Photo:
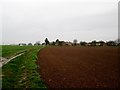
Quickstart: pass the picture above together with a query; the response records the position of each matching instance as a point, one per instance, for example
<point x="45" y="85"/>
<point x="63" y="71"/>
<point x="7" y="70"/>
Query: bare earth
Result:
<point x="79" y="67"/>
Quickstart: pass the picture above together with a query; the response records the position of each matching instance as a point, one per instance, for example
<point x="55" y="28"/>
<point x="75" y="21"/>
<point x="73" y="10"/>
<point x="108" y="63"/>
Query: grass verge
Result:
<point x="22" y="71"/>
<point x="11" y="50"/>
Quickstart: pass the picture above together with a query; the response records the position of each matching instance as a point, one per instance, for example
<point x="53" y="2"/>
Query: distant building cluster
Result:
<point x="74" y="43"/>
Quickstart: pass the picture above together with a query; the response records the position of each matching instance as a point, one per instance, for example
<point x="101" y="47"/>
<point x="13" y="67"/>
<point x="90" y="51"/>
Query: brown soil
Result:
<point x="79" y="67"/>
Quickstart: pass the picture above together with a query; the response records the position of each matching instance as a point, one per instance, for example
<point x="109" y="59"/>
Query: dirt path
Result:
<point x="79" y="67"/>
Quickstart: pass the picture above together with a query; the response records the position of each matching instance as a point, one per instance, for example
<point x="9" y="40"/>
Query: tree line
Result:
<point x="82" y="43"/>
<point x="75" y="42"/>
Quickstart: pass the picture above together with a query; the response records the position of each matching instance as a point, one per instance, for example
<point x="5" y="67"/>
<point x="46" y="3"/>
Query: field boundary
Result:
<point x="5" y="61"/>
<point x="22" y="71"/>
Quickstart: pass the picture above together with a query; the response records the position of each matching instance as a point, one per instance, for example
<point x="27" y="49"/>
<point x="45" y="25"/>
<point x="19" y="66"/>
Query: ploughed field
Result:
<point x="79" y="67"/>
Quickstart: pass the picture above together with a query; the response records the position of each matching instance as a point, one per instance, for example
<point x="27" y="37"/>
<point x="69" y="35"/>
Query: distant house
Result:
<point x="88" y="44"/>
<point x="111" y="43"/>
<point x="95" y="43"/>
<point x="69" y="43"/>
<point x="100" y="43"/>
<point x="62" y="43"/>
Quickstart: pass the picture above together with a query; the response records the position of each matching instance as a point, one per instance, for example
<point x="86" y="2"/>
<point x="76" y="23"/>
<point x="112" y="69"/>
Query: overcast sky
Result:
<point x="34" y="20"/>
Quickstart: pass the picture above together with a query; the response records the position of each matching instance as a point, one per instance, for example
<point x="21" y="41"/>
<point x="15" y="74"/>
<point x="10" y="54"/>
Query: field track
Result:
<point x="79" y="67"/>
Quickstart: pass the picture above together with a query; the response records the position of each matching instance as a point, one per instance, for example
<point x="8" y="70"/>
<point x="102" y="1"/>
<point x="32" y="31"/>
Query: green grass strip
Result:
<point x="11" y="50"/>
<point x="22" y="71"/>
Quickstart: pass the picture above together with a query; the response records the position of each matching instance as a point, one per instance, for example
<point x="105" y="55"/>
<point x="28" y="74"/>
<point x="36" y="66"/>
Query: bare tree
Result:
<point x="47" y="41"/>
<point x="57" y="41"/>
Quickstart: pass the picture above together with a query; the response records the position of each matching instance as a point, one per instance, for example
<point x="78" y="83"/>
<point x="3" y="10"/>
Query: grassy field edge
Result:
<point x="22" y="72"/>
